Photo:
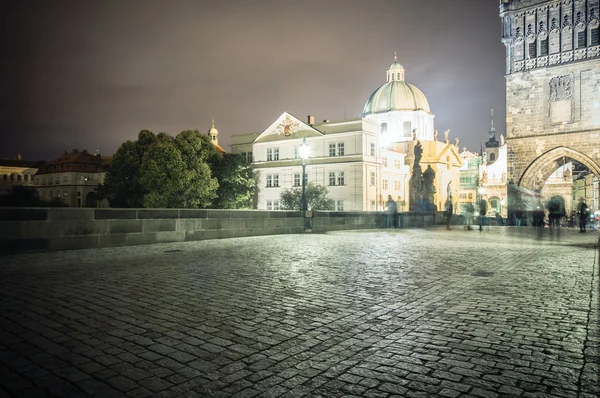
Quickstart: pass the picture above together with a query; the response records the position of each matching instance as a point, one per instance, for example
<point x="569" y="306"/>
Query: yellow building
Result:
<point x="16" y="172"/>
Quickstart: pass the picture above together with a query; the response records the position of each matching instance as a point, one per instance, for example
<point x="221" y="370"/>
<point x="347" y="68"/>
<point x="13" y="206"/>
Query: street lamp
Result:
<point x="303" y="151"/>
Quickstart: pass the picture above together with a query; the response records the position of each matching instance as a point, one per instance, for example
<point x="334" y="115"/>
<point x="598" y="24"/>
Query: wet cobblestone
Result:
<point x="415" y="313"/>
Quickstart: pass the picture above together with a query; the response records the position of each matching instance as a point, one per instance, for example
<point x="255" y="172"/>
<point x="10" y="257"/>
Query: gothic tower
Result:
<point x="552" y="86"/>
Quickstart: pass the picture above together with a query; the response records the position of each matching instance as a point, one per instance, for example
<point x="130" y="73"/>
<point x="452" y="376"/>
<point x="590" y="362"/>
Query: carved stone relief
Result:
<point x="560" y="99"/>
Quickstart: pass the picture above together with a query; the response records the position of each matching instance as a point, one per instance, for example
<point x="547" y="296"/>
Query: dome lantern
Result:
<point x="395" y="72"/>
<point x="214" y="134"/>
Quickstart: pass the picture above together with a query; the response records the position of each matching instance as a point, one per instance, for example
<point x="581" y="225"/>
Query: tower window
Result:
<point x="595" y="40"/>
<point x="581" y="42"/>
<point x="532" y="53"/>
<point x="543" y="47"/>
<point x="492" y="157"/>
<point x="406" y="129"/>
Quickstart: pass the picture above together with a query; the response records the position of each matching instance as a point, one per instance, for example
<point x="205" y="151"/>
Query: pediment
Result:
<point x="452" y="151"/>
<point x="287" y="127"/>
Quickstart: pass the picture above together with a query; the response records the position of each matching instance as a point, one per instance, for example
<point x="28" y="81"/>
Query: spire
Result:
<point x="492" y="128"/>
<point x="213" y="121"/>
<point x="395" y="57"/>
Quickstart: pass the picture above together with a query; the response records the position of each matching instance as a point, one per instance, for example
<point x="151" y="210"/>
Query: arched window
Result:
<point x="406" y="129"/>
<point x="492" y="157"/>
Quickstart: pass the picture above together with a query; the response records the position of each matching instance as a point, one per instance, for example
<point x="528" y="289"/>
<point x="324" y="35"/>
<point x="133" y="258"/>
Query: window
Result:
<point x="339" y="205"/>
<point x="406" y="129"/>
<point x="581" y="39"/>
<point x="397" y="164"/>
<point x="492" y="157"/>
<point x="57" y="180"/>
<point x="249" y="157"/>
<point x="372" y="149"/>
<point x="595" y="39"/>
<point x="384" y="184"/>
<point x="341" y="178"/>
<point x="372" y="179"/>
<point x="297" y="180"/>
<point x="532" y="50"/>
<point x="244" y="155"/>
<point x="5" y="177"/>
<point x="272" y="180"/>
<point x="384" y="161"/>
<point x="396" y="185"/>
<point x="296" y="153"/>
<point x="272" y="154"/>
<point x="332" y="149"/>
<point x="372" y="205"/>
<point x="272" y="204"/>
<point x="340" y="149"/>
<point x="18" y="177"/>
<point x="543" y="47"/>
<point x="331" y="178"/>
<point x="43" y="194"/>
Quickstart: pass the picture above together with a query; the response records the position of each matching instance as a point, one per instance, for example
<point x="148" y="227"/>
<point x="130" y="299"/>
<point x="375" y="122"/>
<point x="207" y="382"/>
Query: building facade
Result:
<point x="73" y="178"/>
<point x="552" y="89"/>
<point x="16" y="172"/>
<point x="361" y="161"/>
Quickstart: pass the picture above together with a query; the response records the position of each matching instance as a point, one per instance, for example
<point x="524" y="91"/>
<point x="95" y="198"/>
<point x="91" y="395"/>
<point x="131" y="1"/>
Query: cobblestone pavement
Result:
<point x="415" y="313"/>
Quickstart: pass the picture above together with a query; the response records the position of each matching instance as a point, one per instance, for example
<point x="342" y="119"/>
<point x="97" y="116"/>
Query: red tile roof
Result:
<point x="80" y="161"/>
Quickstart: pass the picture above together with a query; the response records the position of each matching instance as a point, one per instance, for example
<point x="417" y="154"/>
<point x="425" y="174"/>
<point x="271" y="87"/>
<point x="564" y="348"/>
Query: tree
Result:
<point x="122" y="183"/>
<point x="174" y="172"/>
<point x="237" y="182"/>
<point x="316" y="197"/>
<point x="21" y="196"/>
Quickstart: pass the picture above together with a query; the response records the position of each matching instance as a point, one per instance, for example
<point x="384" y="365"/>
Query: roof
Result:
<point x="396" y="95"/>
<point x="77" y="161"/>
<point x="20" y="163"/>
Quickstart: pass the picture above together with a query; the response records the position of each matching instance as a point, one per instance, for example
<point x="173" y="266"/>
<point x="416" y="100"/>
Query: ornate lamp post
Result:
<point x="303" y="151"/>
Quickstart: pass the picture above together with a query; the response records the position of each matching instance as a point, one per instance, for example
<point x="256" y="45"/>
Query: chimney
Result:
<point x="18" y="156"/>
<point x="325" y="120"/>
<point x="311" y="119"/>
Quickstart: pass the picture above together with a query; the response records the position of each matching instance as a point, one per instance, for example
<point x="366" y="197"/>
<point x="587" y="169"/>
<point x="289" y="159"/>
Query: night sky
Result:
<point x="90" y="74"/>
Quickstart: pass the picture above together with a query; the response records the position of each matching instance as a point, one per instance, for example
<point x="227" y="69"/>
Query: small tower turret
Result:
<point x="214" y="134"/>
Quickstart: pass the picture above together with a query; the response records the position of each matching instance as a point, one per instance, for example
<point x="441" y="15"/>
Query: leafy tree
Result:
<point x="316" y="197"/>
<point x="237" y="182"/>
<point x="122" y="183"/>
<point x="21" y="196"/>
<point x="174" y="172"/>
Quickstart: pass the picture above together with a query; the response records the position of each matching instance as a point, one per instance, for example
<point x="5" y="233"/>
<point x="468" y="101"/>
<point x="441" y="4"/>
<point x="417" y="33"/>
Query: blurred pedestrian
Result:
<point x="448" y="210"/>
<point x="391" y="212"/>
<point x="582" y="211"/>
<point x="469" y="215"/>
<point x="518" y="216"/>
<point x="482" y="213"/>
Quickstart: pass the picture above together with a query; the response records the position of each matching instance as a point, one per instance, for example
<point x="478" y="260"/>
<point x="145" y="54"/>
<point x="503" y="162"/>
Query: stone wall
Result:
<point x="48" y="229"/>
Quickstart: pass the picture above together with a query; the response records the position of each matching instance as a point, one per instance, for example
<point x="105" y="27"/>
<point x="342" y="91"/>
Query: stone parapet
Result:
<point x="49" y="229"/>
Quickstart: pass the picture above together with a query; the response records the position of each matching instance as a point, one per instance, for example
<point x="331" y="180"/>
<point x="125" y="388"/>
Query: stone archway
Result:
<point x="544" y="165"/>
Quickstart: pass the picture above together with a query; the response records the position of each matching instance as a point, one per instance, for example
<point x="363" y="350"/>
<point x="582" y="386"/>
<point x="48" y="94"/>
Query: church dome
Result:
<point x="396" y="95"/>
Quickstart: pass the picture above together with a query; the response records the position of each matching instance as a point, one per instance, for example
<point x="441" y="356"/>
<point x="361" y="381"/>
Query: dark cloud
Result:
<point x="91" y="74"/>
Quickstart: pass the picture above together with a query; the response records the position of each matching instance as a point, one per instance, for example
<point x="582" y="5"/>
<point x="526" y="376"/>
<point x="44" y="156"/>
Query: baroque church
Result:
<point x="362" y="160"/>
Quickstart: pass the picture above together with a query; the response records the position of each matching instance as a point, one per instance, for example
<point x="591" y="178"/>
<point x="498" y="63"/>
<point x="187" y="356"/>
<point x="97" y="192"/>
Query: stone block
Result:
<point x="112" y="240"/>
<point x="189" y="224"/>
<point x="255" y="223"/>
<point x="145" y="214"/>
<point x="245" y="213"/>
<point x="66" y="214"/>
<point x="193" y="213"/>
<point x="20" y="214"/>
<point x="158" y="225"/>
<point x="12" y="246"/>
<point x="9" y="229"/>
<point x="81" y="228"/>
<point x="233" y="224"/>
<point x="170" y="236"/>
<point x="40" y="229"/>
<point x="276" y="214"/>
<point x="141" y="239"/>
<point x="124" y="226"/>
<point x="219" y="214"/>
<point x="73" y="242"/>
<point x="115" y="214"/>
<point x="213" y="223"/>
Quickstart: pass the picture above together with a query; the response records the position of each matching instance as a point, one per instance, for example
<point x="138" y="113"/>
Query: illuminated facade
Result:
<point x="73" y="178"/>
<point x="16" y="172"/>
<point x="361" y="161"/>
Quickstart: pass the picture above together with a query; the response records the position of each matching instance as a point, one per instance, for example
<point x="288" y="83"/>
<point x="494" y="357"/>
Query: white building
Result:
<point x="361" y="161"/>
